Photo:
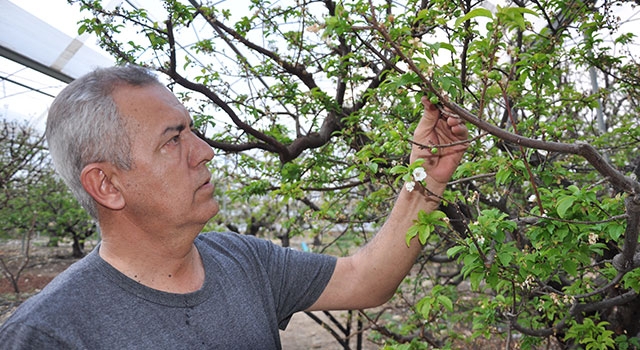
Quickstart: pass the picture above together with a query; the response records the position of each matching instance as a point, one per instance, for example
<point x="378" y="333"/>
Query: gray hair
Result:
<point x="84" y="126"/>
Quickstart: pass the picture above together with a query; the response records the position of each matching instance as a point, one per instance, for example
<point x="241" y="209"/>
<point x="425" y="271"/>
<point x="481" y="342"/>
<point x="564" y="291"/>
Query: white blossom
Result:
<point x="593" y="238"/>
<point x="314" y="28"/>
<point x="568" y="299"/>
<point x="419" y="174"/>
<point x="415" y="42"/>
<point x="410" y="185"/>
<point x="528" y="282"/>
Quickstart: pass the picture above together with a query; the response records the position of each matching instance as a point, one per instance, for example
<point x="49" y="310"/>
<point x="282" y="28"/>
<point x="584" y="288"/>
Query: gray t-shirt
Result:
<point x="252" y="287"/>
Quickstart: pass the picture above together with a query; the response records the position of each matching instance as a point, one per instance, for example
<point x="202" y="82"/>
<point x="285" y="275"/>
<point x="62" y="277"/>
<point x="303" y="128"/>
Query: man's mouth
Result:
<point x="207" y="183"/>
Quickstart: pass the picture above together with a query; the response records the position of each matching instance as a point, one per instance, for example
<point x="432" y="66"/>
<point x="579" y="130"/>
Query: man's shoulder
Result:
<point x="60" y="296"/>
<point x="237" y="253"/>
<point x="78" y="274"/>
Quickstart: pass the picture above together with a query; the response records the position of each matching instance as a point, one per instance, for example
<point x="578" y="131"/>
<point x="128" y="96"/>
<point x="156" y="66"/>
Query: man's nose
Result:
<point x="200" y="151"/>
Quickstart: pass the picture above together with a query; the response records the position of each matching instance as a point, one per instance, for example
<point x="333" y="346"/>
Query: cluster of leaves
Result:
<point x="33" y="200"/>
<point x="311" y="106"/>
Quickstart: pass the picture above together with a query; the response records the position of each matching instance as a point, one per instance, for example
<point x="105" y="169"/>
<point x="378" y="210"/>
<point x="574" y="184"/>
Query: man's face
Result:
<point x="168" y="187"/>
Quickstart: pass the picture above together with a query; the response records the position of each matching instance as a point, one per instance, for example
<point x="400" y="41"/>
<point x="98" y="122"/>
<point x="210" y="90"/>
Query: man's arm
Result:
<point x="369" y="277"/>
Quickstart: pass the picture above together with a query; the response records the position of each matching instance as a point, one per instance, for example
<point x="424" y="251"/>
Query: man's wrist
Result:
<point x="423" y="193"/>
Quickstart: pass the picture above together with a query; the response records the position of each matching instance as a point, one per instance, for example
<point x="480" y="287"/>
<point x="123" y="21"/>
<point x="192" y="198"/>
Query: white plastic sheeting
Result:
<point x="32" y="42"/>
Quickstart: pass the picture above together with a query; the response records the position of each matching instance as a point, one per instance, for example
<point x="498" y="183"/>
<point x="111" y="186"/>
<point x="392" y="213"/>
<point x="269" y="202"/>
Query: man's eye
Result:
<point x="175" y="139"/>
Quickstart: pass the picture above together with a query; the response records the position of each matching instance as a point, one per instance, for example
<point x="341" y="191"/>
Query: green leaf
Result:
<point x="425" y="233"/>
<point x="505" y="258"/>
<point x="409" y="78"/>
<point x="454" y="251"/>
<point x="425" y="309"/>
<point x="413" y="231"/>
<point x="502" y="175"/>
<point x="399" y="169"/>
<point x="477" y="12"/>
<point x="447" y="46"/>
<point x="571" y="267"/>
<point x="615" y="230"/>
<point x="476" y="279"/>
<point x="564" y="204"/>
<point x="446" y="302"/>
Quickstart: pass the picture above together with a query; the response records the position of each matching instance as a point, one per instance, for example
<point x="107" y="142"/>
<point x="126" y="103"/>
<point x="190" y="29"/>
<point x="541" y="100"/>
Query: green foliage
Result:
<point x="312" y="105"/>
<point x="425" y="225"/>
<point x="593" y="336"/>
<point x="33" y="199"/>
<point x="430" y="306"/>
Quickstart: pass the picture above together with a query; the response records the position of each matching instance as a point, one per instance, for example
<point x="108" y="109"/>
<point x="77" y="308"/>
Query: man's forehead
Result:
<point x="153" y="104"/>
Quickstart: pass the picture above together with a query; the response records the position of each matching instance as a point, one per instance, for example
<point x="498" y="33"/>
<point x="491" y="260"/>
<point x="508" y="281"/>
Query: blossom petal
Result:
<point x="410" y="185"/>
<point x="419" y="174"/>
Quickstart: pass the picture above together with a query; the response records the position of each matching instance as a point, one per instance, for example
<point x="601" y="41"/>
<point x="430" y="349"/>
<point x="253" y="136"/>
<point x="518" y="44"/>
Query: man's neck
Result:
<point x="165" y="266"/>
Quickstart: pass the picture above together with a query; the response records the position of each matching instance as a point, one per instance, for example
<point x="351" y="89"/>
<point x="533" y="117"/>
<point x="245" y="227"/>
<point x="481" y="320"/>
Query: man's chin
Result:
<point x="214" y="210"/>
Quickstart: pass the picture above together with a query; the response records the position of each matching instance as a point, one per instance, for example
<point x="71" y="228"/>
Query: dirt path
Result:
<point x="305" y="333"/>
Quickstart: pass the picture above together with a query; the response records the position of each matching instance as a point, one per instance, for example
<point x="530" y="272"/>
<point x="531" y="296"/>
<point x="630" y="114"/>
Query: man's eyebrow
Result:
<point x="179" y="128"/>
<point x="173" y="128"/>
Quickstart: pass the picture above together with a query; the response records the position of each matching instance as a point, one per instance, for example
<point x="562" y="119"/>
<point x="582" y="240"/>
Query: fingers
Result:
<point x="458" y="127"/>
<point x="432" y="114"/>
<point x="427" y="104"/>
<point x="429" y="119"/>
<point x="430" y="110"/>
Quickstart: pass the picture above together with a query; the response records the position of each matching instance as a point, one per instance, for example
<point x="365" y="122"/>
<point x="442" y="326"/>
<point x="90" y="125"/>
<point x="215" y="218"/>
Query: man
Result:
<point x="123" y="144"/>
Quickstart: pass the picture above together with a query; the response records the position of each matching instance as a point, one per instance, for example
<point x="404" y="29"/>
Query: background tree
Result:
<point x="311" y="105"/>
<point x="33" y="199"/>
<point x="23" y="164"/>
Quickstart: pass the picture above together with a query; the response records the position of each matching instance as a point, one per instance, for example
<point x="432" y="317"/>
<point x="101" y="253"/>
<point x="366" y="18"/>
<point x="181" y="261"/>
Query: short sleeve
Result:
<point x="300" y="282"/>
<point x="296" y="278"/>
<point x="15" y="336"/>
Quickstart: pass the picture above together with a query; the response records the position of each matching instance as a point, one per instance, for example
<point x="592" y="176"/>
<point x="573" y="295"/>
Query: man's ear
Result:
<point x="100" y="182"/>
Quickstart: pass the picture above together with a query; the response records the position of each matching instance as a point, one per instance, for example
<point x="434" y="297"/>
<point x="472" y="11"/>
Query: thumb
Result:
<point x="430" y="116"/>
